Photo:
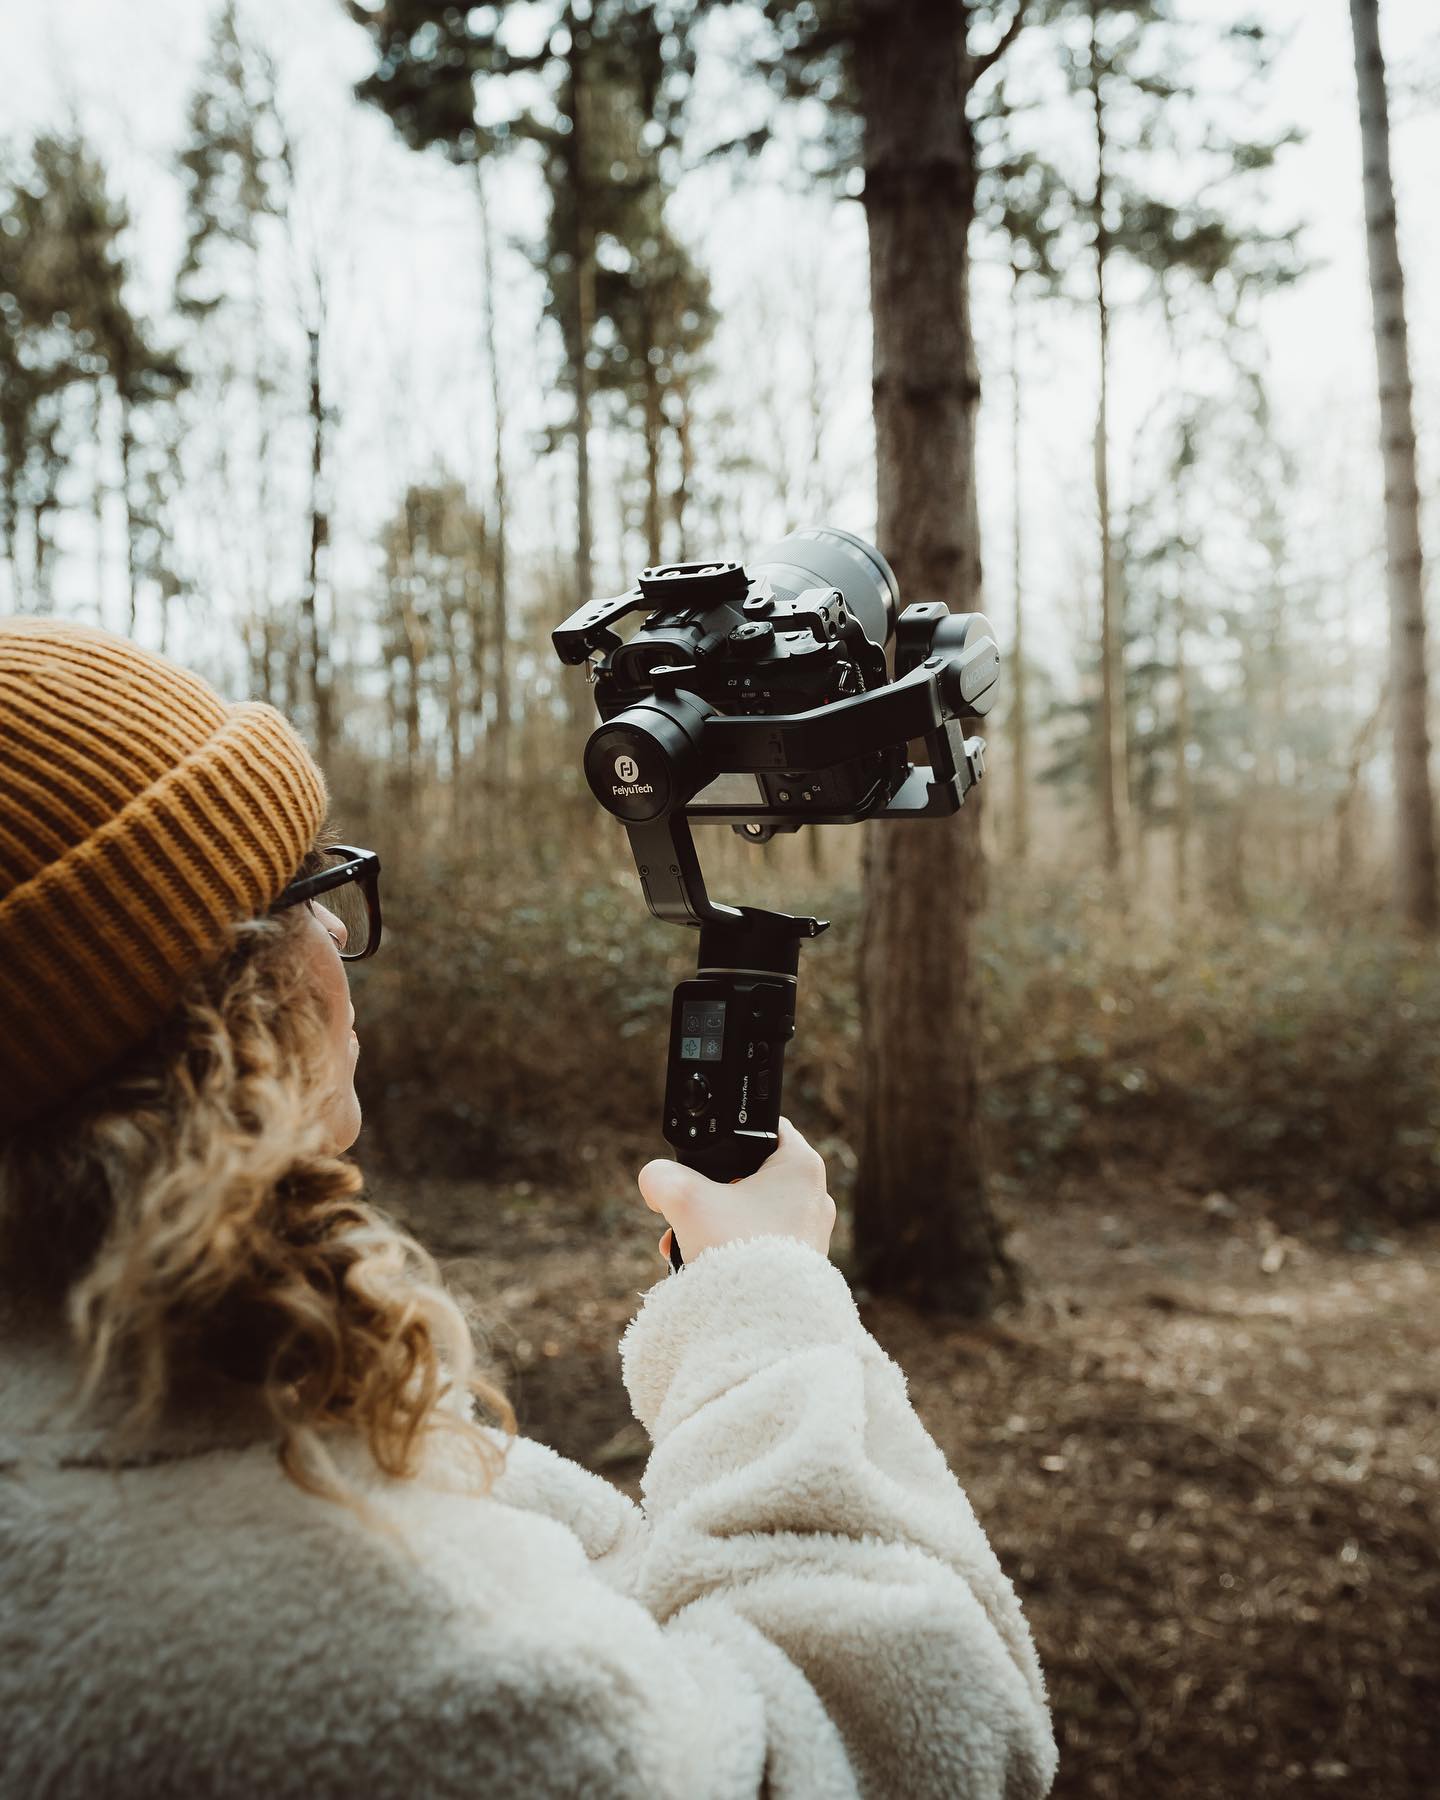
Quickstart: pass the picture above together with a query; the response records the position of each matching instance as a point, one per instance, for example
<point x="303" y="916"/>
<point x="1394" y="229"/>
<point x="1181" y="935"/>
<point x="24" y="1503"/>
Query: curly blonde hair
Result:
<point x="186" y="1215"/>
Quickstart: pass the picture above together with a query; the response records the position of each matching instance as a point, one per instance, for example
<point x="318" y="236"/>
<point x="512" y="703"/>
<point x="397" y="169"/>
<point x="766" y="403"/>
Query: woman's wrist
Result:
<point x="739" y="1307"/>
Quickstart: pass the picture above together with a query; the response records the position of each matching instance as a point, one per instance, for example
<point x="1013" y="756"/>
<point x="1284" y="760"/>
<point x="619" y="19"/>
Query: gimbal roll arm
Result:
<point x="943" y="687"/>
<point x="668" y="748"/>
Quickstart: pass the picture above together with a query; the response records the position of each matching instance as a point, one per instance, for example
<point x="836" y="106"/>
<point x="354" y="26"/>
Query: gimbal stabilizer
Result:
<point x="763" y="700"/>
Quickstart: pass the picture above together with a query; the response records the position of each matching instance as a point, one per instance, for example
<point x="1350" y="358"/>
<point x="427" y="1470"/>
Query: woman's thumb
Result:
<point x="666" y="1185"/>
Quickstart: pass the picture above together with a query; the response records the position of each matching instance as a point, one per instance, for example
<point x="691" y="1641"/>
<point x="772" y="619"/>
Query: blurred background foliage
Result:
<point x="223" y="429"/>
<point x="1265" y="1055"/>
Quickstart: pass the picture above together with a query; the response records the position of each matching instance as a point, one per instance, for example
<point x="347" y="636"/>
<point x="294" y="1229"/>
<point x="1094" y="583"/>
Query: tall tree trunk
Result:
<point x="923" y="1225"/>
<point x="452" y="607"/>
<point x="416" y="649"/>
<point x="1415" y="880"/>
<point x="98" y="493"/>
<point x="1187" y="564"/>
<point x="1113" y="756"/>
<point x="579" y="700"/>
<point x="498" y="634"/>
<point x="46" y="505"/>
<point x="584" y="303"/>
<point x="257" y="669"/>
<point x="684" y="444"/>
<point x="317" y="661"/>
<point x="276" y="685"/>
<point x="127" y="457"/>
<point x="817" y="397"/>
<point x="654" y="422"/>
<point x="1182" y="739"/>
<point x="1019" y="710"/>
<point x="584" y="553"/>
<point x="478" y="608"/>
<point x="10" y="527"/>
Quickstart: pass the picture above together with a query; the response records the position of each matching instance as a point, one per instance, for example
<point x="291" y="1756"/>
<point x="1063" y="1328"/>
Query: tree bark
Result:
<point x="1019" y="709"/>
<point x="10" y="527"/>
<point x="1415" y="878"/>
<point x="98" y="494"/>
<point x="452" y="606"/>
<point x="1182" y="739"/>
<point x="923" y="1225"/>
<point x="414" y="639"/>
<point x="583" y="250"/>
<point x="1113" y="754"/>
<point x="680" y="499"/>
<point x="654" y="422"/>
<point x="579" y="701"/>
<point x="499" y="629"/>
<point x="127" y="457"/>
<point x="317" y="660"/>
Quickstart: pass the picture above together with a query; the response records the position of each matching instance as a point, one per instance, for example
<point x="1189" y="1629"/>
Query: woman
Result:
<point x="256" y="1537"/>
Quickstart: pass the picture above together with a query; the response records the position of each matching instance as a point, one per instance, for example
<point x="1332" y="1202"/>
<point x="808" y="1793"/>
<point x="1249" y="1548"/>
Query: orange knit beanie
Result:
<point x="140" y="816"/>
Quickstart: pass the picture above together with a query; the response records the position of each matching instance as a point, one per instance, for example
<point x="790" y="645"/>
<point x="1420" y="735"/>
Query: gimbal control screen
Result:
<point x="702" y="1030"/>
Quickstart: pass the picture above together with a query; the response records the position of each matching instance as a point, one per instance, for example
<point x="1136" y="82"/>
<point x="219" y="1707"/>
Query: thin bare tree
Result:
<point x="1415" y="879"/>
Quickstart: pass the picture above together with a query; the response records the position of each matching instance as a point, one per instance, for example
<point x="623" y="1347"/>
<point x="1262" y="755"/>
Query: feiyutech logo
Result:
<point x="627" y="790"/>
<point x="629" y="784"/>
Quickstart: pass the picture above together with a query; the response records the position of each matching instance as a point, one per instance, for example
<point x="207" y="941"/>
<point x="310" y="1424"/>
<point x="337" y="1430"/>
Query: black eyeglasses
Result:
<point x="350" y="881"/>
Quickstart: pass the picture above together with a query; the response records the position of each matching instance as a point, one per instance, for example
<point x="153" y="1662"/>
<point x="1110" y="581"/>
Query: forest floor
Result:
<point x="1207" y="1450"/>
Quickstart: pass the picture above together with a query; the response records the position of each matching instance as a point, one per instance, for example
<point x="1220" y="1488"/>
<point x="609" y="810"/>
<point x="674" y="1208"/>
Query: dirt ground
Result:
<point x="1207" y="1451"/>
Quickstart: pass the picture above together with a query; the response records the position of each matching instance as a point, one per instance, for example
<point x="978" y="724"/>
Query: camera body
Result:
<point x="751" y="647"/>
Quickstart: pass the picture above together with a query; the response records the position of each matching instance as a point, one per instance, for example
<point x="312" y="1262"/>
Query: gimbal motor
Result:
<point x="759" y="696"/>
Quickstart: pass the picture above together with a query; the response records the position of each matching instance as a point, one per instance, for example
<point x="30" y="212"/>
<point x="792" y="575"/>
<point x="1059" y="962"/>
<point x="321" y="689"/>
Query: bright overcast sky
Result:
<point x="124" y="68"/>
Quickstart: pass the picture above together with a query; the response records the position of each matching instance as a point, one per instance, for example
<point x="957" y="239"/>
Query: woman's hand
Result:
<point x="785" y="1197"/>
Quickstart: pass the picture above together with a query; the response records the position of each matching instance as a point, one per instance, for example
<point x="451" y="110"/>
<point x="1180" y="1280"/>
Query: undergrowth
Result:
<point x="518" y="1030"/>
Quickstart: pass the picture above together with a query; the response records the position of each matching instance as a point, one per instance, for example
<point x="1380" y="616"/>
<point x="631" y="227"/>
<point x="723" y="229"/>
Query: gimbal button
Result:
<point x="697" y="1093"/>
<point x="756" y="637"/>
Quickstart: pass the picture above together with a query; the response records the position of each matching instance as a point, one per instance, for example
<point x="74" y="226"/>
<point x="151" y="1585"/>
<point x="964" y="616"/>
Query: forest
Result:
<point x="349" y="346"/>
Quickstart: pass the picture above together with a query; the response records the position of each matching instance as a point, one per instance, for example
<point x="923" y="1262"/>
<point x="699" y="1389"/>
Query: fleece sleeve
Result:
<point x="804" y="1526"/>
<point x="608" y="1525"/>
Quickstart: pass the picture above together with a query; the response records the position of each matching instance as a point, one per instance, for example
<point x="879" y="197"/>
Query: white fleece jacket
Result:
<point x="804" y="1607"/>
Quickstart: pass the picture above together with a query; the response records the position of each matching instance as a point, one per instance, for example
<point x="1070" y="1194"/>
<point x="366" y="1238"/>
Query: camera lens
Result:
<point x="821" y="556"/>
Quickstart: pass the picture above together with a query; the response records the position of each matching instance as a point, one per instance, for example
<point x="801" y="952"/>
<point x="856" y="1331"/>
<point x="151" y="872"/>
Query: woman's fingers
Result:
<point x="785" y="1197"/>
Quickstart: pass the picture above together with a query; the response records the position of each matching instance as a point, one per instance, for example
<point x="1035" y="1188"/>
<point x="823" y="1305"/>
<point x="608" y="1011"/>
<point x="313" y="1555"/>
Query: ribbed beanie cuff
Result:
<point x="97" y="941"/>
